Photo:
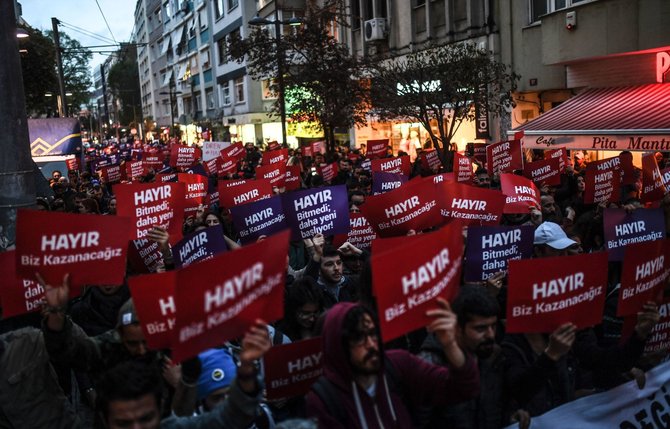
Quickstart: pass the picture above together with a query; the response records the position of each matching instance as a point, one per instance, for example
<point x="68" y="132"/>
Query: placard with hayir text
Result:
<point x="182" y="156"/>
<point x="220" y="298"/>
<point x="328" y="171"/>
<point x="292" y="179"/>
<point x="469" y="204"/>
<point x="264" y="217"/>
<point x="424" y="268"/>
<point x="397" y="165"/>
<point x="561" y="154"/>
<point x="152" y="204"/>
<point x="360" y="233"/>
<point x="412" y="206"/>
<point x="545" y="293"/>
<point x="154" y="301"/>
<point x="135" y="169"/>
<point x="91" y="248"/>
<point x="430" y="160"/>
<point x="503" y="157"/>
<point x="659" y="338"/>
<point x="17" y="295"/>
<point x="622" y="229"/>
<point x="291" y="369"/>
<point x="233" y="194"/>
<point x="195" y="191"/>
<point x="111" y="174"/>
<point x="199" y="246"/>
<point x="490" y="248"/>
<point x="521" y="193"/>
<point x="230" y="156"/>
<point x="144" y="256"/>
<point x="275" y="173"/>
<point x="462" y="168"/>
<point x="602" y="182"/>
<point x="376" y="148"/>
<point x="275" y="157"/>
<point x="653" y="188"/>
<point x="317" y="211"/>
<point x="386" y="182"/>
<point x="544" y="172"/>
<point x="645" y="269"/>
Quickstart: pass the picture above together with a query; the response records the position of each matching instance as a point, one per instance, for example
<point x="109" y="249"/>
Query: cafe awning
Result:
<point x="617" y="118"/>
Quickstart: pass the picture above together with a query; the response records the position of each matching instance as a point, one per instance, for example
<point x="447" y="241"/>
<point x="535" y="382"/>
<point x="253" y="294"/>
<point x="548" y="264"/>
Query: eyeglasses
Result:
<point x="361" y="337"/>
<point x="308" y="314"/>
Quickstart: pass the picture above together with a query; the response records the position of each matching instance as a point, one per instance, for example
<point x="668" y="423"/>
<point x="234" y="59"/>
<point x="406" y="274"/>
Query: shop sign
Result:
<point x="644" y="142"/>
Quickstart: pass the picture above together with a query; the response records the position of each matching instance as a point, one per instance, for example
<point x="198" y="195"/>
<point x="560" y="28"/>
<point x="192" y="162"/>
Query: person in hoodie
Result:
<point x="364" y="387"/>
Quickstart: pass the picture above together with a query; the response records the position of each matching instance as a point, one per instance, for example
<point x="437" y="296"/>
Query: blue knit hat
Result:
<point x="218" y="371"/>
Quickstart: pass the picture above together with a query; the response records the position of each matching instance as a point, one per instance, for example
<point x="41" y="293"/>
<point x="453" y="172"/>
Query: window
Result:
<point x="204" y="59"/>
<point x="543" y="7"/>
<point x="232" y="4"/>
<point x="223" y="50"/>
<point x="239" y="90"/>
<point x="209" y="97"/>
<point x="355" y="14"/>
<point x="419" y="16"/>
<point x="218" y="9"/>
<point x="203" y="19"/>
<point x="225" y="94"/>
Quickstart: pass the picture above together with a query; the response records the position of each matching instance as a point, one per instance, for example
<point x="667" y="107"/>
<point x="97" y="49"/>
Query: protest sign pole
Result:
<point x="17" y="180"/>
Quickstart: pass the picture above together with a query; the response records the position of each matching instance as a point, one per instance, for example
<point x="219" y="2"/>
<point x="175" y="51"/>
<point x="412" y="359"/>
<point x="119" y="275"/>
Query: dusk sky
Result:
<point x="86" y="15"/>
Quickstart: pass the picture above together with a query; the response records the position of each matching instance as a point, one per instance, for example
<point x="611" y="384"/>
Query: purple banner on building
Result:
<point x="263" y="217"/>
<point x="317" y="211"/>
<point x="490" y="247"/>
<point x="199" y="246"/>
<point x="622" y="229"/>
<point x="384" y="182"/>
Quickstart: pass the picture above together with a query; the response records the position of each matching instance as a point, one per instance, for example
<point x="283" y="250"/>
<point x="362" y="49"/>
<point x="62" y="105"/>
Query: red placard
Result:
<point x="545" y="172"/>
<point x="182" y="156"/>
<point x="397" y="165"/>
<point x="306" y="151"/>
<point x="166" y="177"/>
<point x="230" y="157"/>
<point x="247" y="192"/>
<point x="424" y="268"/>
<point x="545" y="293"/>
<point x="111" y="174"/>
<point x="504" y="156"/>
<point x="318" y="147"/>
<point x="154" y="162"/>
<point x="144" y="256"/>
<point x="291" y="369"/>
<point x="645" y="268"/>
<point x="430" y="160"/>
<point x="376" y="148"/>
<point x="273" y="145"/>
<point x="73" y="164"/>
<point x="521" y="193"/>
<point x="218" y="299"/>
<point x="462" y="168"/>
<point x="328" y="171"/>
<point x="92" y="248"/>
<point x="602" y="179"/>
<point x="411" y="206"/>
<point x="659" y="339"/>
<point x="292" y="181"/>
<point x="561" y="154"/>
<point x="196" y="191"/>
<point x="152" y="204"/>
<point x="153" y="297"/>
<point x="135" y="169"/>
<point x="477" y="151"/>
<point x="275" y="157"/>
<point x="275" y="173"/>
<point x="470" y="205"/>
<point x="212" y="166"/>
<point x="443" y="178"/>
<point x="653" y="188"/>
<point x="360" y="233"/>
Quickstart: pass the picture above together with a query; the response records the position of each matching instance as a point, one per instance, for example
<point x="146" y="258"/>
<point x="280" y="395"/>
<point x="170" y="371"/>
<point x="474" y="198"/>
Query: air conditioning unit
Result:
<point x="375" y="29"/>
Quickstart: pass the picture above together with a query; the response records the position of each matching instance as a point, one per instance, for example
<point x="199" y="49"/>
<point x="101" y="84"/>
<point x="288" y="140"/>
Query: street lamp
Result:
<point x="171" y="93"/>
<point x="258" y="21"/>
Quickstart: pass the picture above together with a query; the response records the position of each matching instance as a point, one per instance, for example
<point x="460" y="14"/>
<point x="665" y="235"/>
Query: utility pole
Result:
<point x="104" y="92"/>
<point x="17" y="179"/>
<point x="62" y="106"/>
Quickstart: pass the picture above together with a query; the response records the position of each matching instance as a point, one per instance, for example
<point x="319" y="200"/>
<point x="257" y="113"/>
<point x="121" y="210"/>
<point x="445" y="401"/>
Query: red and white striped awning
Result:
<point x="626" y="118"/>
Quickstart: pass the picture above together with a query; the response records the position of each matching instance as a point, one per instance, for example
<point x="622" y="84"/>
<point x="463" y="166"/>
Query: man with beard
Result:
<point x="550" y="210"/>
<point x="477" y="315"/>
<point x="364" y="387"/>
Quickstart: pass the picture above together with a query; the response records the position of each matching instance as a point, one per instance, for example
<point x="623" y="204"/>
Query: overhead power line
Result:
<point x="86" y="32"/>
<point x="105" y="19"/>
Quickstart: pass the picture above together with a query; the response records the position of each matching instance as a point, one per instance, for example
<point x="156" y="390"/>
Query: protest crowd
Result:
<point x="173" y="286"/>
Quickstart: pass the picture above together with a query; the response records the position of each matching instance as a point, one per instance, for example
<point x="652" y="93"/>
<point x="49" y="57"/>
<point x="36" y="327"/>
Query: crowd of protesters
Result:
<point x="84" y="362"/>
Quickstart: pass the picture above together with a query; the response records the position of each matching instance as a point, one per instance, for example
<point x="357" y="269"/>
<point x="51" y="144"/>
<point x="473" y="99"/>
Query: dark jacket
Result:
<point x="347" y="289"/>
<point x="97" y="313"/>
<point x="416" y="383"/>
<point x="486" y="411"/>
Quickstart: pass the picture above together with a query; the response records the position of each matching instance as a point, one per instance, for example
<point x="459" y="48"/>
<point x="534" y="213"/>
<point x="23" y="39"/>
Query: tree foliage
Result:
<point x="323" y="83"/>
<point x="124" y="83"/>
<point x="441" y="85"/>
<point x="38" y="66"/>
<point x="76" y="72"/>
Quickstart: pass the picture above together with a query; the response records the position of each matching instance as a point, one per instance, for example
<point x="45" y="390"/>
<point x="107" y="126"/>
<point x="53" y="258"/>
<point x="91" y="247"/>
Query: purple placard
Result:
<point x="385" y="182"/>
<point x="319" y="210"/>
<point x="199" y="246"/>
<point x="490" y="247"/>
<point x="622" y="228"/>
<point x="263" y="217"/>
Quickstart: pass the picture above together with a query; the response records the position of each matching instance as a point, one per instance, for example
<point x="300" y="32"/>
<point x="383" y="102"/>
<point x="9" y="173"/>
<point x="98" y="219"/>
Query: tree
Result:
<point x="38" y="66"/>
<point x="124" y="82"/>
<point x="441" y="84"/>
<point x="76" y="73"/>
<point x="323" y="83"/>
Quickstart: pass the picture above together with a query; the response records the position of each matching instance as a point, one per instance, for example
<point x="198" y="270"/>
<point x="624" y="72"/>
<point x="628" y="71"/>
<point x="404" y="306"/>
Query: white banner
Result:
<point x="210" y="150"/>
<point x="624" y="407"/>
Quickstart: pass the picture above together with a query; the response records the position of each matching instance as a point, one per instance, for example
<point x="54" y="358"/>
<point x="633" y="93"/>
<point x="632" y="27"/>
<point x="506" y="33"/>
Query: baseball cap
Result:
<point x="127" y="315"/>
<point x="552" y="235"/>
<point x="218" y="371"/>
